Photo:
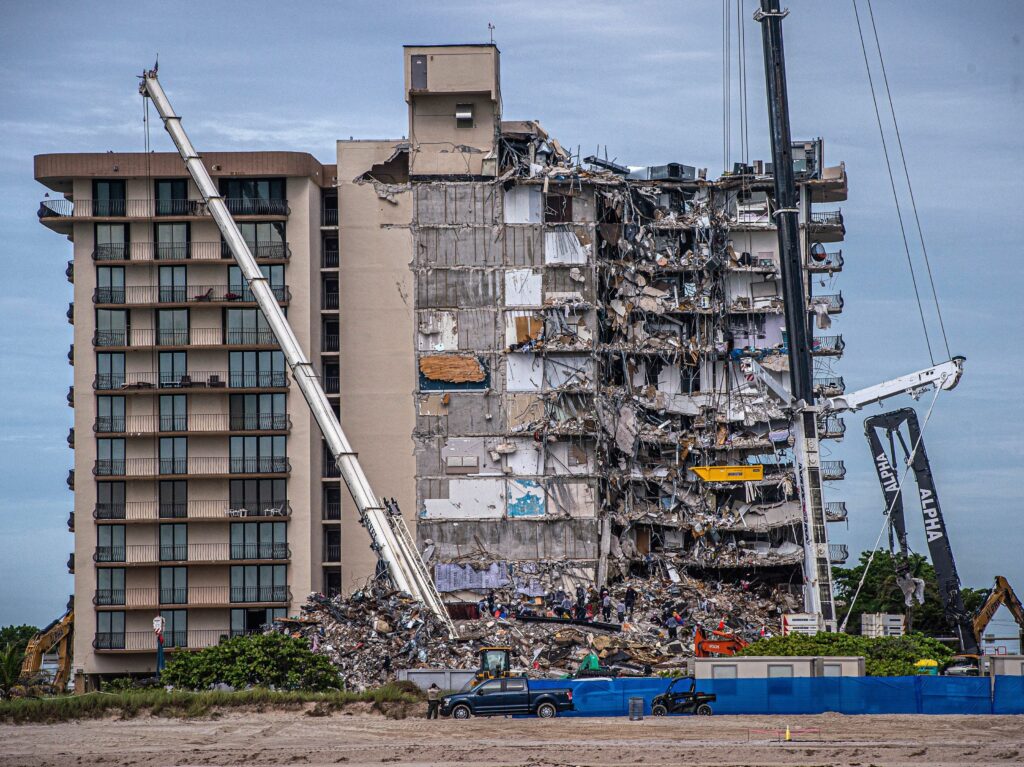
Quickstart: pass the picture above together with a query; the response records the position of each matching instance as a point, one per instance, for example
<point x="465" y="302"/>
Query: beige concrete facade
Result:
<point x="119" y="426"/>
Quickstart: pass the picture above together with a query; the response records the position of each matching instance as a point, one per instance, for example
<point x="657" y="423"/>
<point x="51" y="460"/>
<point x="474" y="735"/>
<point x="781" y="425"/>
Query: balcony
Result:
<point x="332" y="510"/>
<point x="329" y="342"/>
<point x="827" y="346"/>
<point x="54" y="209"/>
<point x="827" y="225"/>
<point x="332" y="384"/>
<point x="831" y="427"/>
<point x="150" y="468"/>
<point x="186" y="251"/>
<point x="195" y="553"/>
<point x="826" y="262"/>
<point x="329" y="215"/>
<point x="197" y="380"/>
<point x="835" y="511"/>
<point x="136" y="338"/>
<point x="158" y="295"/>
<point x="193" y="596"/>
<point x="829" y="386"/>
<point x="833" y="470"/>
<point x="838" y="553"/>
<point x="330" y="301"/>
<point x="199" y="509"/>
<point x="329" y="259"/>
<point x="330" y="468"/>
<point x="332" y="552"/>
<point x="145" y="641"/>
<point x="833" y="302"/>
<point x="193" y="423"/>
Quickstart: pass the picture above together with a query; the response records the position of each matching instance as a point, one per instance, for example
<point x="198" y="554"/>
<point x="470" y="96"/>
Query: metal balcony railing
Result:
<point x="193" y="294"/>
<point x="332" y="384"/>
<point x="329" y="215"/>
<point x="149" y="337"/>
<point x="833" y="470"/>
<point x="108" y="597"/>
<point x="252" y="206"/>
<point x="832" y="427"/>
<point x="838" y="553"/>
<point x="827" y="217"/>
<point x="167" y="467"/>
<point x="259" y="551"/>
<point x="332" y="510"/>
<point x="834" y="301"/>
<point x="260" y="594"/>
<point x="330" y="468"/>
<point x="330" y="301"/>
<point x="145" y="641"/>
<point x="193" y="596"/>
<point x="193" y="422"/>
<point x="329" y="259"/>
<point x="332" y="552"/>
<point x="155" y="553"/>
<point x="832" y="262"/>
<point x="135" y="511"/>
<point x="829" y="386"/>
<point x="835" y="511"/>
<point x="329" y="342"/>
<point x="184" y="251"/>
<point x="199" y="379"/>
<point x="148" y="208"/>
<point x="827" y="345"/>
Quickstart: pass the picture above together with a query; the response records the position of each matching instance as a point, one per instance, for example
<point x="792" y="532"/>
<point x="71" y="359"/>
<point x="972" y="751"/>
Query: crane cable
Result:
<point x="892" y="180"/>
<point x="888" y="512"/>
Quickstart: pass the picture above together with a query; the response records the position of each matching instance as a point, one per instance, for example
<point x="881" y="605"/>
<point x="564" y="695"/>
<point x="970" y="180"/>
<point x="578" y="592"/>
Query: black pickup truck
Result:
<point x="511" y="695"/>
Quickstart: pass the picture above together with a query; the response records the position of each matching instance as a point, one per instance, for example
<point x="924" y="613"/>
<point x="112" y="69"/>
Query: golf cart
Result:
<point x="678" y="700"/>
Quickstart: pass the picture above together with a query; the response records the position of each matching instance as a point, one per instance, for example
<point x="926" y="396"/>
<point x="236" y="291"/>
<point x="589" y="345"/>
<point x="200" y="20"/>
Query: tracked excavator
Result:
<point x="59" y="635"/>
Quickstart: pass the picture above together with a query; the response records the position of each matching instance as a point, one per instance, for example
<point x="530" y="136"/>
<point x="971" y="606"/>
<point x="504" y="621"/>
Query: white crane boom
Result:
<point x="389" y="535"/>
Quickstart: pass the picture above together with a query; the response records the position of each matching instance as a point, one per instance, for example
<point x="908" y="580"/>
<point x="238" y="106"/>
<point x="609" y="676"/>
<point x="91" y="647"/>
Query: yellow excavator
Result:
<point x="59" y="635"/>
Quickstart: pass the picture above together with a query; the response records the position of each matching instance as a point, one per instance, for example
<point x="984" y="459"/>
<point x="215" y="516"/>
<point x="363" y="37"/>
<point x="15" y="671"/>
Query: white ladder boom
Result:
<point x="390" y="537"/>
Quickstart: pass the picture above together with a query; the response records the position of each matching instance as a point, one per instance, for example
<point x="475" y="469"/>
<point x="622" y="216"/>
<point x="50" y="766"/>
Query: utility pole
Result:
<point x="817" y="567"/>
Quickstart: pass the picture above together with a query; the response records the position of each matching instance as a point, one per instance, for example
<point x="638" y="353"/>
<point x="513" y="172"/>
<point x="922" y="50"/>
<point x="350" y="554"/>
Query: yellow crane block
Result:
<point x="747" y="473"/>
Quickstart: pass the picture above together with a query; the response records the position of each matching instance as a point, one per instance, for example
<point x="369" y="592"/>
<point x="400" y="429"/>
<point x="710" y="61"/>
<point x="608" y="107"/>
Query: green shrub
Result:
<point x="260" y="660"/>
<point x="119" y="684"/>
<point x="886" y="656"/>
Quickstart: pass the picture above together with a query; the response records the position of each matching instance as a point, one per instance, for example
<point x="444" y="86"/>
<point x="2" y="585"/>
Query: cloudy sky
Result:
<point x="642" y="79"/>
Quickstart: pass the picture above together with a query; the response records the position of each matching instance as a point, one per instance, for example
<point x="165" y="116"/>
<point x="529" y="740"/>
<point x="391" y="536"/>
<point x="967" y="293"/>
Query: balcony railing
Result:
<point x="832" y="427"/>
<point x="330" y="468"/>
<point x="827" y="345"/>
<point x="192" y="294"/>
<point x="330" y="300"/>
<point x="155" y="553"/>
<point x="833" y="301"/>
<point x="148" y="208"/>
<point x="149" y="337"/>
<point x="829" y="386"/>
<point x="260" y="594"/>
<point x="136" y="511"/>
<point x="835" y="511"/>
<point x="221" y="379"/>
<point x="329" y="216"/>
<point x="329" y="342"/>
<point x="832" y="262"/>
<point x="145" y="641"/>
<point x="833" y="470"/>
<point x="193" y="422"/>
<point x="332" y="384"/>
<point x="332" y="510"/>
<point x="838" y="553"/>
<point x="192" y="466"/>
<point x="827" y="217"/>
<point x="332" y="552"/>
<point x="329" y="259"/>
<point x="184" y="251"/>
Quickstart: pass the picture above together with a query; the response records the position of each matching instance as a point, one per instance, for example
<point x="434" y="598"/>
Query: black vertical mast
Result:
<point x="786" y="213"/>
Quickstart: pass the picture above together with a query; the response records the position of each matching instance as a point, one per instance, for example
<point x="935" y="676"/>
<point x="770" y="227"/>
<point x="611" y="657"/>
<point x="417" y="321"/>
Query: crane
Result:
<point x="58" y="634"/>
<point x="389" y="535"/>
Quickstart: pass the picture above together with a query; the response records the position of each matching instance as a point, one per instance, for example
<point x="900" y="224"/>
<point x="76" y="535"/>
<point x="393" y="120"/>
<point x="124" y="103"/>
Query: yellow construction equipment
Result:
<point x="750" y="473"/>
<point x="58" y="634"/>
<point x="1001" y="594"/>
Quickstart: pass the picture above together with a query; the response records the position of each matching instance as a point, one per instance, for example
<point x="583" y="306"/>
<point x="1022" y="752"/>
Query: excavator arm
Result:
<point x="1001" y="594"/>
<point x="934" y="524"/>
<point x="58" y="634"/>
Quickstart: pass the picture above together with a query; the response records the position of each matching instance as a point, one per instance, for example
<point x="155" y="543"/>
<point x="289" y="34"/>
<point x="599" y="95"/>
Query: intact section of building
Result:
<point x="199" y="495"/>
<point x="583" y="336"/>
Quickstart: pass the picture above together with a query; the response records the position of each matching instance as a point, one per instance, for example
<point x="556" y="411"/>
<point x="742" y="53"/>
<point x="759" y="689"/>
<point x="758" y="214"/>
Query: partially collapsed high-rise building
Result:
<point x="576" y="337"/>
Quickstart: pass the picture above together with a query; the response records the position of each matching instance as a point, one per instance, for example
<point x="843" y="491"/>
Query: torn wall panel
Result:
<point x="523" y="411"/>
<point x="526" y="498"/>
<point x="574" y="539"/>
<point x="468" y="499"/>
<point x="522" y="287"/>
<point x="572" y="498"/>
<point x="453" y="371"/>
<point x="523" y="204"/>
<point x="438" y="331"/>
<point x="523" y="245"/>
<point x="457" y="288"/>
<point x="456" y="203"/>
<point x="524" y="372"/>
<point x="562" y="245"/>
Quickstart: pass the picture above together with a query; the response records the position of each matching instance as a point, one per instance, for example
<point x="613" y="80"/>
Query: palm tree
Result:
<point x="10" y="667"/>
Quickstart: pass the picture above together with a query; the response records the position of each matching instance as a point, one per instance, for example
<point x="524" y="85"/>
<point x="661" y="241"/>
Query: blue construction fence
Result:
<point x="810" y="695"/>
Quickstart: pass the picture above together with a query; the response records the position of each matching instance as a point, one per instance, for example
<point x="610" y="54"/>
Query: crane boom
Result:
<point x="389" y="535"/>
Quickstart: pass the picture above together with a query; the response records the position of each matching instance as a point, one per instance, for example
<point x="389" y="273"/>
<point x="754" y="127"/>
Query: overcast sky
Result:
<point x="643" y="79"/>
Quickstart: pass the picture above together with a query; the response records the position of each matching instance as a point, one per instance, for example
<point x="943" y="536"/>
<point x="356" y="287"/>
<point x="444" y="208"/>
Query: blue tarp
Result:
<point x="845" y="695"/>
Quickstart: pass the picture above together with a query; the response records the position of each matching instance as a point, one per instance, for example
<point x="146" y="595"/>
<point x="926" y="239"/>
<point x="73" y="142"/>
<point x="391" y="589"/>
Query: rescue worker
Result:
<point x="630" y="600"/>
<point x="433" y="701"/>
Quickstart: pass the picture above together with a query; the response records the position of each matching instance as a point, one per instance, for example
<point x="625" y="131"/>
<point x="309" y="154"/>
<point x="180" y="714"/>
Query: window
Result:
<point x="173" y="494"/>
<point x="110" y="630"/>
<point x="172" y="327"/>
<point x="110" y="543"/>
<point x="249" y="370"/>
<point x="238" y="287"/>
<point x="247" y="326"/>
<point x="259" y="583"/>
<point x="173" y="368"/>
<point x="250" y="620"/>
<point x="557" y="209"/>
<point x="110" y="500"/>
<point x="173" y="412"/>
<point x="418" y="66"/>
<point x="110" y="284"/>
<point x="832" y="669"/>
<point x="173" y="585"/>
<point x="690" y="379"/>
<point x="109" y="370"/>
<point x="258" y="455"/>
<point x="172" y="241"/>
<point x="108" y="198"/>
<point x="464" y="116"/>
<point x="332" y="502"/>
<point x="723" y="672"/>
<point x="254" y="196"/>
<point x="110" y="586"/>
<point x="515" y="685"/>
<point x="172" y="197"/>
<point x="254" y="412"/>
<point x="780" y="671"/>
<point x="173" y="542"/>
<point x="259" y="540"/>
<point x="111" y="327"/>
<point x="266" y="239"/>
<point x="175" y="628"/>
<point x="263" y="497"/>
<point x="109" y="414"/>
<point x="111" y="242"/>
<point x="489" y="688"/>
<point x="109" y="457"/>
<point x="173" y="455"/>
<point x="173" y="288"/>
